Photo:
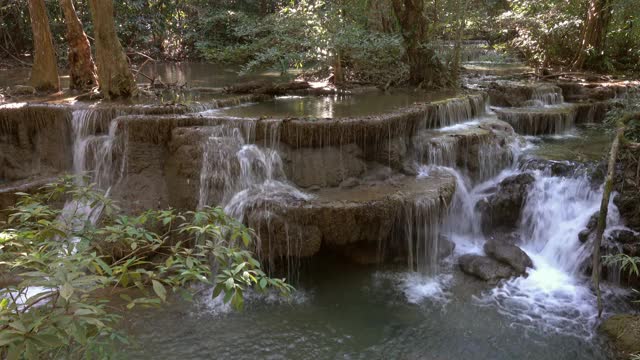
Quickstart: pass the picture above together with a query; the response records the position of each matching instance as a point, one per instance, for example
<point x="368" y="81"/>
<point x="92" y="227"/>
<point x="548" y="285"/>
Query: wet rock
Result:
<point x="624" y="236"/>
<point x="505" y="237"/>
<point x="628" y="203"/>
<point x="357" y="216"/>
<point x="326" y="167"/>
<point x="624" y="331"/>
<point x="349" y="183"/>
<point x="485" y="268"/>
<point x="502" y="209"/>
<point x="552" y="167"/>
<point x="507" y="95"/>
<point x="539" y="121"/>
<point x="591" y="112"/>
<point x="583" y="235"/>
<point x="392" y="152"/>
<point x="509" y="254"/>
<point x="446" y="247"/>
<point x="279" y="237"/>
<point x="22" y="90"/>
<point x="380" y="173"/>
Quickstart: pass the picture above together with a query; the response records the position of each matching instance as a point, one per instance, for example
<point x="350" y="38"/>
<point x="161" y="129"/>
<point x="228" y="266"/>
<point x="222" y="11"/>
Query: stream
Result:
<point x="426" y="309"/>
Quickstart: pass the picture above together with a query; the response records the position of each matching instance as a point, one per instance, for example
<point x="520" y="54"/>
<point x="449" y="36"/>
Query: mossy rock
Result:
<point x="624" y="331"/>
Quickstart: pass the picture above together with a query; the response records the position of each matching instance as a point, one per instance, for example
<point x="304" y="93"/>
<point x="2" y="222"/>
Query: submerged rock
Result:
<point x="624" y="330"/>
<point x="509" y="254"/>
<point x="485" y="268"/>
<point x="502" y="209"/>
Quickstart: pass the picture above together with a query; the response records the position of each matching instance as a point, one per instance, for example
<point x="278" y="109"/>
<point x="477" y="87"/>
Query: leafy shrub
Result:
<point x="545" y="32"/>
<point x="60" y="269"/>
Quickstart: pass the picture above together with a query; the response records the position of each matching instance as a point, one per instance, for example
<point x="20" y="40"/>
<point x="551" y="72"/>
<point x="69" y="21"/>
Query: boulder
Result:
<point x="509" y="254"/>
<point x="624" y="331"/>
<point x="624" y="236"/>
<point x="502" y="209"/>
<point x="446" y="247"/>
<point x="585" y="233"/>
<point x="485" y="268"/>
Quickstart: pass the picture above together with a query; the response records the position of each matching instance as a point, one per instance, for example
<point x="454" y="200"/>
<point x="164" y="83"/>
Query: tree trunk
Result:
<point x="44" y="73"/>
<point x="82" y="69"/>
<point x="602" y="217"/>
<point x="594" y="31"/>
<point x="425" y="69"/>
<point x="457" y="50"/>
<point x="379" y="17"/>
<point x="114" y="74"/>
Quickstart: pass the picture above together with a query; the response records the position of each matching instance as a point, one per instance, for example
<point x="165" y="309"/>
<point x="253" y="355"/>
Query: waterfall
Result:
<point x="421" y="231"/>
<point x="237" y="174"/>
<point x="94" y="157"/>
<point x="455" y="111"/>
<point x="95" y="147"/>
<point x="539" y="121"/>
<point x="556" y="295"/>
<point x="547" y="95"/>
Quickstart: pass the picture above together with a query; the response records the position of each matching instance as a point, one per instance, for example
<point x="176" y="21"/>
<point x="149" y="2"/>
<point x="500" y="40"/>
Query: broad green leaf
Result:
<point x="159" y="289"/>
<point x="66" y="291"/>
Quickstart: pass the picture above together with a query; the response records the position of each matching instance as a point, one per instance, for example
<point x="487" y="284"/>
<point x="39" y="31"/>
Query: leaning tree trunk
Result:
<point x="425" y="69"/>
<point x="114" y="74"/>
<point x="594" y="31"/>
<point x="602" y="217"/>
<point x="44" y="73"/>
<point x="82" y="69"/>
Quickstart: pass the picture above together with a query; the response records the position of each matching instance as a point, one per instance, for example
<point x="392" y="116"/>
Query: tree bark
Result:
<point x="457" y="50"/>
<point x="82" y="69"/>
<point x="602" y="217"/>
<point x="425" y="69"/>
<point x="594" y="31"/>
<point x="44" y="73"/>
<point x="114" y="75"/>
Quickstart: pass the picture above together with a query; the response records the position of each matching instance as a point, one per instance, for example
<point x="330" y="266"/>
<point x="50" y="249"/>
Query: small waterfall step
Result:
<point x="368" y="214"/>
<point x="539" y="120"/>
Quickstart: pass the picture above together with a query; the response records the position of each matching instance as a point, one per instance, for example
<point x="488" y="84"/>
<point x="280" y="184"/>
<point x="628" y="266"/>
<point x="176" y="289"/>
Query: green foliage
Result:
<point x="545" y="32"/>
<point x="624" y="110"/>
<point x="628" y="264"/>
<point x="549" y="32"/>
<point x="66" y="271"/>
<point x="306" y="35"/>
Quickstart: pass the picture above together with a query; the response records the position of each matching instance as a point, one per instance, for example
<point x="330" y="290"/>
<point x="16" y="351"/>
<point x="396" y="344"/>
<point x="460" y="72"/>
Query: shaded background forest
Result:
<point x="365" y="36"/>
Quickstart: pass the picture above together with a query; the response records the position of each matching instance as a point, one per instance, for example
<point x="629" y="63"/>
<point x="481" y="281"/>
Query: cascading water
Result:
<point x="93" y="161"/>
<point x="421" y="231"/>
<point x="93" y="150"/>
<point x="455" y="111"/>
<point x="547" y="95"/>
<point x="555" y="295"/>
<point x="242" y="174"/>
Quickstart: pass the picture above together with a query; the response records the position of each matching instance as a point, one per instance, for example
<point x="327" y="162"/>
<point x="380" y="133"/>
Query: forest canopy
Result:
<point x="374" y="41"/>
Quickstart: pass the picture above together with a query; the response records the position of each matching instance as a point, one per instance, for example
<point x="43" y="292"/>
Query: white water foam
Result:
<point x="417" y="288"/>
<point x="555" y="296"/>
